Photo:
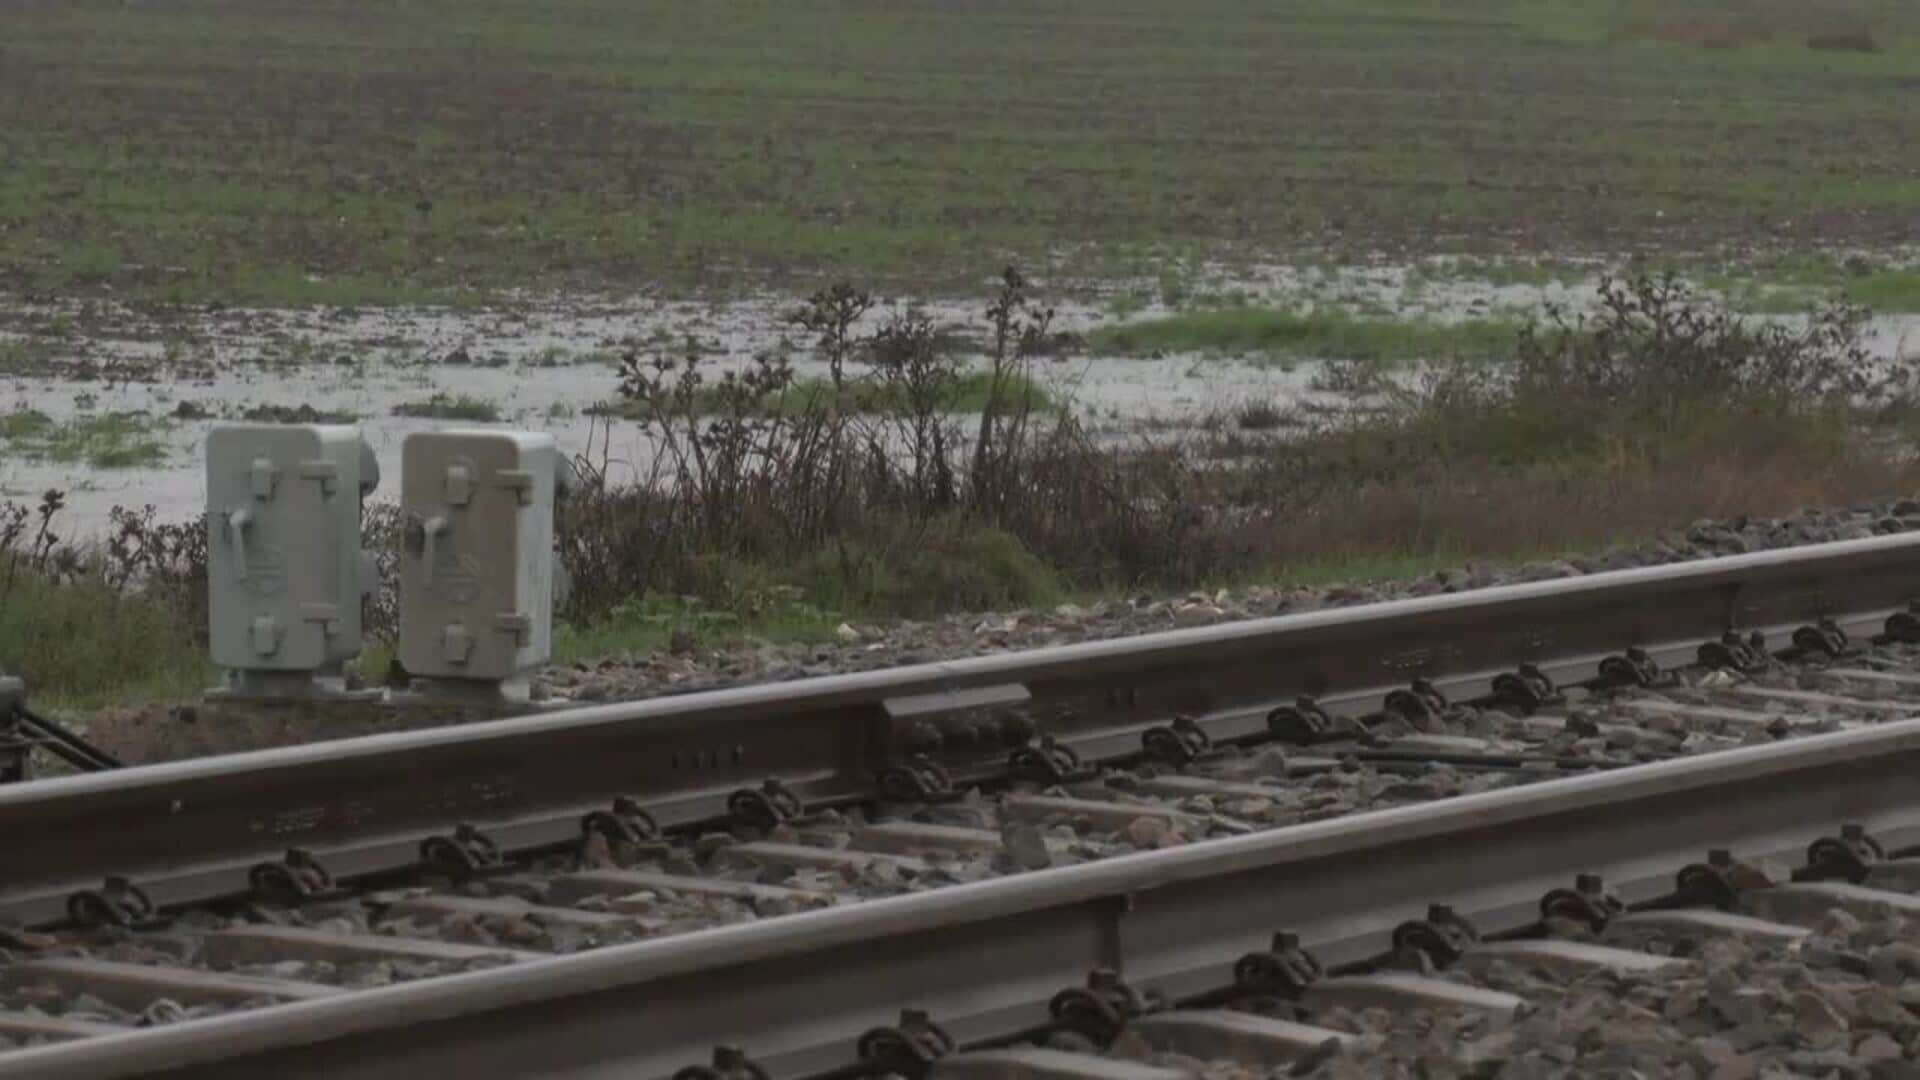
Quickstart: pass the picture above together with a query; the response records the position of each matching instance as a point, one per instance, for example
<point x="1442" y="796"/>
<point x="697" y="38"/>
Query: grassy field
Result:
<point x="1790" y="283"/>
<point x="360" y="151"/>
<point x="116" y="440"/>
<point x="83" y="645"/>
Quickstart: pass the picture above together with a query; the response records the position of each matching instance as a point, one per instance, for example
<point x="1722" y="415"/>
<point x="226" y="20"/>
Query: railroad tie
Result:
<point x="1182" y="787"/>
<point x="25" y="1025"/>
<point x="241" y="945"/>
<point x="1889" y="678"/>
<point x="1894" y="875"/>
<point x="621" y="883"/>
<point x="901" y="837"/>
<point x="1742" y="717"/>
<point x="799" y="856"/>
<point x="1397" y="991"/>
<point x="1834" y="701"/>
<point x="1808" y="903"/>
<point x="1566" y="958"/>
<point x="1423" y="743"/>
<point x="1035" y="1063"/>
<point x="436" y="906"/>
<point x="1225" y="1033"/>
<point x="135" y="986"/>
<point x="1704" y="923"/>
<point x="1110" y="815"/>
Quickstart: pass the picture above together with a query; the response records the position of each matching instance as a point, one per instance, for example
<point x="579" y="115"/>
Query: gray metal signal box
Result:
<point x="284" y="568"/>
<point x="476" y="564"/>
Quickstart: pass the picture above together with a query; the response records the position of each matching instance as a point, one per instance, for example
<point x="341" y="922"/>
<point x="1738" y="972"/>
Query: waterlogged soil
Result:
<point x="542" y="364"/>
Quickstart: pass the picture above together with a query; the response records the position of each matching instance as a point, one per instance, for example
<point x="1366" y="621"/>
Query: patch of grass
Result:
<point x="285" y="286"/>
<point x="939" y="566"/>
<point x="1127" y="304"/>
<point x="296" y="414"/>
<point x="25" y="356"/>
<point x="451" y="407"/>
<point x="114" y="440"/>
<point x="1886" y="290"/>
<point x="1794" y="284"/>
<point x="89" y="264"/>
<point x="903" y="571"/>
<point x="645" y="624"/>
<point x="24" y="424"/>
<point x="83" y="645"/>
<point x="1259" y="416"/>
<point x="1319" y="334"/>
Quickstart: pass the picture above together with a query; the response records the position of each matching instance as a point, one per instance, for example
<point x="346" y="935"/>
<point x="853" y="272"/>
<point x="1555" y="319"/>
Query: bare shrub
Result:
<point x="831" y="314"/>
<point x="166" y="561"/>
<point x="1595" y="417"/>
<point x="29" y="544"/>
<point x="746" y="474"/>
<point x="1259" y="416"/>
<point x="908" y="352"/>
<point x="1655" y="346"/>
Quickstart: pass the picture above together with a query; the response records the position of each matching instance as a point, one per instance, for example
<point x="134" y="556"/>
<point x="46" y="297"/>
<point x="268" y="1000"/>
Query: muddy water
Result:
<point x="543" y="363"/>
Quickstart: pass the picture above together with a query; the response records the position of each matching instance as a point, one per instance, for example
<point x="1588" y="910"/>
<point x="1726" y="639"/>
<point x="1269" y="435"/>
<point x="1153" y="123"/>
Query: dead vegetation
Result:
<point x="1834" y="27"/>
<point x="1658" y="409"/>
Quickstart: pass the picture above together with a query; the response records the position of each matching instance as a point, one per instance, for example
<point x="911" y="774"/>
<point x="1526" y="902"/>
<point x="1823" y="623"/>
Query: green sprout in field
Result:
<point x="114" y="440"/>
<point x="451" y="407"/>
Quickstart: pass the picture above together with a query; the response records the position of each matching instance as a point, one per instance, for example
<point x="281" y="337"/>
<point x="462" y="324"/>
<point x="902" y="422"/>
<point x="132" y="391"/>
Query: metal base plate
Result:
<point x="289" y="686"/>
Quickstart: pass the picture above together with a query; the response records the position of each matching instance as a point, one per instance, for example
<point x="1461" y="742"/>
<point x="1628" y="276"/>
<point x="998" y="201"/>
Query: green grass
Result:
<point x="114" y="440"/>
<point x="1794" y="284"/>
<point x="451" y="407"/>
<point x="1886" y="290"/>
<point x="938" y="567"/>
<point x="969" y="394"/>
<point x="25" y="356"/>
<point x="446" y="150"/>
<point x="22" y="424"/>
<point x="641" y="626"/>
<point x="81" y="646"/>
<point x="1320" y="334"/>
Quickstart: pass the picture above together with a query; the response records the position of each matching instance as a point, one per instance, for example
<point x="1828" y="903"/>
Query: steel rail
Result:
<point x="189" y="831"/>
<point x="984" y="958"/>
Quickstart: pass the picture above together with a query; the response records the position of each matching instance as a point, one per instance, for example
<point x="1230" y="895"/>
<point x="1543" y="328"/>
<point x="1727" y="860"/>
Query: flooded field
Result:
<point x="110" y="403"/>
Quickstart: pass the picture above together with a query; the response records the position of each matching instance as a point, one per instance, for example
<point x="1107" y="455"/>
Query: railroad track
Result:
<point x="734" y="863"/>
